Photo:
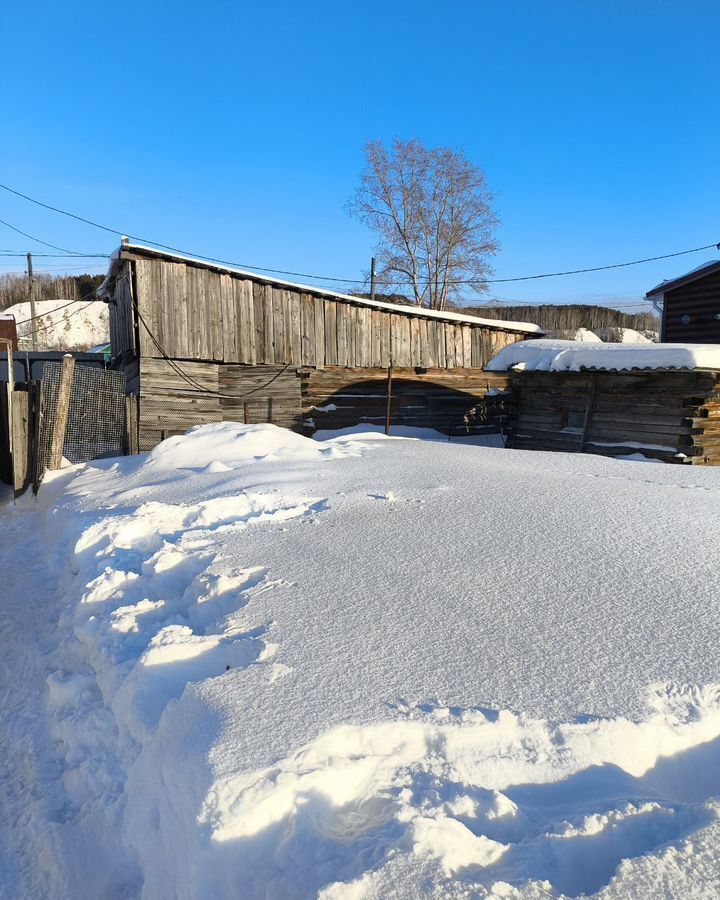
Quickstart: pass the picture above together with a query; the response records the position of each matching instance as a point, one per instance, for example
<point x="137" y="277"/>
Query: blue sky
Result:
<point x="236" y="129"/>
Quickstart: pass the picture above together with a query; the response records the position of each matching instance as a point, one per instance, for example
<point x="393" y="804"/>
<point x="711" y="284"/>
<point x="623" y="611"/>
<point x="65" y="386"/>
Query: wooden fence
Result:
<point x="76" y="413"/>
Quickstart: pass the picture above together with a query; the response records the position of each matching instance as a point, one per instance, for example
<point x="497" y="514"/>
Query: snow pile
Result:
<point x="279" y="667"/>
<point x="578" y="334"/>
<point x="573" y="356"/>
<point x="226" y="445"/>
<point x="62" y="325"/>
<point x="618" y="335"/>
<point x="366" y="430"/>
<point x="584" y="334"/>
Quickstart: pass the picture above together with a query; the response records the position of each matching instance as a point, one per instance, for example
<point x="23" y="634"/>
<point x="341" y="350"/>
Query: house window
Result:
<point x="574" y="420"/>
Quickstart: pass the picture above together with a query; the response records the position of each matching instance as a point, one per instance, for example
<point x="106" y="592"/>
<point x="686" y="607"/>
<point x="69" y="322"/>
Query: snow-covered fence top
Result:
<point x="575" y="356"/>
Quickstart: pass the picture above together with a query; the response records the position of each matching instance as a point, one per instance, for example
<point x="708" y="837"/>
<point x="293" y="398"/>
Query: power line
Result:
<point x="37" y="240"/>
<point x="18" y="253"/>
<point x="143" y="240"/>
<point x="224" y="262"/>
<point x="50" y="311"/>
<point x="51" y="324"/>
<point x="191" y="381"/>
<point x="93" y="295"/>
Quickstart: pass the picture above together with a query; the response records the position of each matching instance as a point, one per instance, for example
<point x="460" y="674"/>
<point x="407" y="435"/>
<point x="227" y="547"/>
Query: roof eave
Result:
<point x="674" y="283"/>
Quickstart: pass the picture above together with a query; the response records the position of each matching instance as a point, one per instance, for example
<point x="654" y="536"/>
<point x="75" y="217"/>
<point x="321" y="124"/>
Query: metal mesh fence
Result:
<point x="161" y="418"/>
<point x="96" y="417"/>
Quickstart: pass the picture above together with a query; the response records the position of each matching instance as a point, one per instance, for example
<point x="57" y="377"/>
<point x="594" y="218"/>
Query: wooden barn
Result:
<point x="690" y="305"/>
<point x="659" y="401"/>
<point x="200" y="342"/>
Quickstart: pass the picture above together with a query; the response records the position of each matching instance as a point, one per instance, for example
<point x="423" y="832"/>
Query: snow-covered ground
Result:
<point x="61" y="324"/>
<point x="254" y="665"/>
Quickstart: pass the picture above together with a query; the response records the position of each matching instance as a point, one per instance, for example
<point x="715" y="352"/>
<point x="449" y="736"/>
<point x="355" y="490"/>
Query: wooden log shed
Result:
<point x="669" y="413"/>
<point x="201" y="342"/>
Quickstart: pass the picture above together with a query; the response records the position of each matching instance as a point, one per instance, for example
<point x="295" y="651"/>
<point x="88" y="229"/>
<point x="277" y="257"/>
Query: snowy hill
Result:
<point x="62" y="324"/>
<point x="616" y="335"/>
<point x="254" y="665"/>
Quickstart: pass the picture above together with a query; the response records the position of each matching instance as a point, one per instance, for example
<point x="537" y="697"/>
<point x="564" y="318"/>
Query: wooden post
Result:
<point x="389" y="400"/>
<point x="33" y="317"/>
<point x="61" y="414"/>
<point x="588" y="410"/>
<point x="10" y="388"/>
<point x="35" y="399"/>
<point x="21" y="440"/>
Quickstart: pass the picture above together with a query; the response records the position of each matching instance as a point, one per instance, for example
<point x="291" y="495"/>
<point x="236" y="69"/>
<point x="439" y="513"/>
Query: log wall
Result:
<point x="170" y="404"/>
<point x="671" y="416"/>
<point x="467" y="401"/>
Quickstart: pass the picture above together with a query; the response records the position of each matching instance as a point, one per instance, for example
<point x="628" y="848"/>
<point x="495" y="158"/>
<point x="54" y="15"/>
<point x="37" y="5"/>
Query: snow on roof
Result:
<point x="573" y="356"/>
<point x="705" y="268"/>
<point x="502" y="324"/>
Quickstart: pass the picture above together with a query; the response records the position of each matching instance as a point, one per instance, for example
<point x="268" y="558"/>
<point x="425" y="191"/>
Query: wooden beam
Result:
<point x="61" y="413"/>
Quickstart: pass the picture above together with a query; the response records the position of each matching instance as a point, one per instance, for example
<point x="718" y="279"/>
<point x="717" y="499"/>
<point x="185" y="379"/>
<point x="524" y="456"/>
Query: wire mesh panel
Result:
<point x="162" y="418"/>
<point x="96" y="415"/>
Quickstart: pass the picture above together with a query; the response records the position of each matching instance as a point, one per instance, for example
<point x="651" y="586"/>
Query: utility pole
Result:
<point x="31" y="289"/>
<point x="372" y="278"/>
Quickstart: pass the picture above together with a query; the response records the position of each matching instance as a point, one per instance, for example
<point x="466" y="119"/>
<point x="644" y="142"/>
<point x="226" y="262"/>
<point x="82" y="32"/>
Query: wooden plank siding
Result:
<point x="198" y="313"/>
<point x="213" y="392"/>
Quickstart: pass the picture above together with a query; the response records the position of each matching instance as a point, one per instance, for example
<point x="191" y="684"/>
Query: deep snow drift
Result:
<point x="250" y="664"/>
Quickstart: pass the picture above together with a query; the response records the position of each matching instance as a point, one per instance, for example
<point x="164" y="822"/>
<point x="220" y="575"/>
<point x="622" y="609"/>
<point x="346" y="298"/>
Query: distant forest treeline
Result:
<point x="14" y="288"/>
<point x="568" y="317"/>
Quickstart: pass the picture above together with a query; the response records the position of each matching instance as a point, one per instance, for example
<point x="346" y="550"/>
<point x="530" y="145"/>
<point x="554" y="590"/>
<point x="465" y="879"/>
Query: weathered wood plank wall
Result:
<point x="672" y="416"/>
<point x="196" y="313"/>
<point x="122" y="330"/>
<point x="170" y="404"/>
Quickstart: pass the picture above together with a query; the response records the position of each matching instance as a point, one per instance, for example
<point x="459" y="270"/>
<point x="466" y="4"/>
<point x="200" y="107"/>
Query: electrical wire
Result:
<point x="18" y="253"/>
<point x="191" y="381"/>
<point x="46" y="325"/>
<point x="37" y="240"/>
<point x="93" y="299"/>
<point x="49" y="311"/>
<point x="115" y="231"/>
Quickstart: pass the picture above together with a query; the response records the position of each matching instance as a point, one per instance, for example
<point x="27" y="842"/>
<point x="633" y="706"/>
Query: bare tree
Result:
<point x="431" y="210"/>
